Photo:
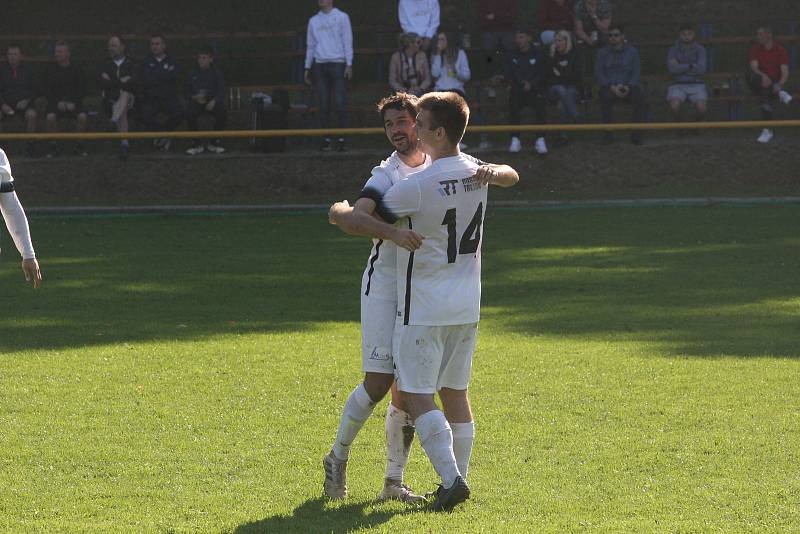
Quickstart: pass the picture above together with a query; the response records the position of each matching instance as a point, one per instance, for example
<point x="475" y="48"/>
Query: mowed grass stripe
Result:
<point x="636" y="370"/>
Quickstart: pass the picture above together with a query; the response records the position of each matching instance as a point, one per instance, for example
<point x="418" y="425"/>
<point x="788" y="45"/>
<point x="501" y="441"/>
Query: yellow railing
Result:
<point x="336" y="132"/>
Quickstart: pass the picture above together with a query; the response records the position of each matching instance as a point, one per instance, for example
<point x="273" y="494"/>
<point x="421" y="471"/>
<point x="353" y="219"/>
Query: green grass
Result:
<point x="636" y="371"/>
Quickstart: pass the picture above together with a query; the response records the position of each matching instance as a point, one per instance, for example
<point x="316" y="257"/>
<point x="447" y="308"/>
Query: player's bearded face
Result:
<point x="401" y="130"/>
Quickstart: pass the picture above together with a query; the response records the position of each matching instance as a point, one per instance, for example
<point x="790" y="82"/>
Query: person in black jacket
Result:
<point x="17" y="92"/>
<point x="159" y="79"/>
<point x="118" y="85"/>
<point x="564" y="72"/>
<point x="205" y="93"/>
<point x="525" y="72"/>
<point x="65" y="90"/>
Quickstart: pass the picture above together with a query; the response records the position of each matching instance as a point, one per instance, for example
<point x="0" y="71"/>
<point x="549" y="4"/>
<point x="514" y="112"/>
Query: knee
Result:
<point x="675" y="104"/>
<point x="30" y="114"/>
<point x="51" y="117"/>
<point x="702" y="107"/>
<point x="377" y="385"/>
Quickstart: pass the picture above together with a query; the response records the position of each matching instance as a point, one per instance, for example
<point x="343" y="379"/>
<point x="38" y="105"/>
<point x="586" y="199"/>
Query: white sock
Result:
<point x="399" y="436"/>
<point x="463" y="437"/>
<point x="436" y="438"/>
<point x="356" y="411"/>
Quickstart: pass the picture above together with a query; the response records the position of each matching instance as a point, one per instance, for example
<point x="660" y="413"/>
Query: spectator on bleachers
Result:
<point x="159" y="78"/>
<point x="555" y="15"/>
<point x="420" y="17"/>
<point x="329" y="61"/>
<point x="65" y="88"/>
<point x="767" y="75"/>
<point x="617" y="71"/>
<point x="18" y="93"/>
<point x="686" y="61"/>
<point x="449" y="65"/>
<point x="497" y="20"/>
<point x="205" y="93"/>
<point x="409" y="71"/>
<point x="593" y="19"/>
<point x="564" y="72"/>
<point x="118" y="86"/>
<point x="525" y="72"/>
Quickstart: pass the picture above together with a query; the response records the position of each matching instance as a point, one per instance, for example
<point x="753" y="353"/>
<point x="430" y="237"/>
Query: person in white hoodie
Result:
<point x="17" y="223"/>
<point x="329" y="63"/>
<point x="420" y="17"/>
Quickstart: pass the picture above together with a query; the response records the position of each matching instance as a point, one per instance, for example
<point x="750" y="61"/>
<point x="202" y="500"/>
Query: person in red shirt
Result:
<point x="555" y="15"/>
<point x="767" y="76"/>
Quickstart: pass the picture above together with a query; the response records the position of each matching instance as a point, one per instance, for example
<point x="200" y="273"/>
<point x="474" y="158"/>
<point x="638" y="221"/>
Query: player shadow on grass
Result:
<point x="314" y="516"/>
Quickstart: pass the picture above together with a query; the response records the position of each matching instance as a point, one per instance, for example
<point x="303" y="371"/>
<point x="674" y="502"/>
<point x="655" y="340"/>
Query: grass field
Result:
<point x="637" y="370"/>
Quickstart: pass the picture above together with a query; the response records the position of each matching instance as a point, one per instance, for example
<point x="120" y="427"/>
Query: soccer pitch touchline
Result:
<point x="516" y="205"/>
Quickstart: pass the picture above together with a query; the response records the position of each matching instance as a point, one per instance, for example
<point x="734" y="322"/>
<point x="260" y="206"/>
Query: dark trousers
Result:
<point x="194" y="110"/>
<point x="608" y="99"/>
<point x="170" y="107"/>
<point x="766" y="94"/>
<point x="329" y="79"/>
<point x="520" y="99"/>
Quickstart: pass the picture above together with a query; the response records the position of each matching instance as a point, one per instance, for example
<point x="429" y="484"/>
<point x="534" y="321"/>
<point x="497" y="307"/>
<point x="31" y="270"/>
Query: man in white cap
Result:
<point x="17" y="223"/>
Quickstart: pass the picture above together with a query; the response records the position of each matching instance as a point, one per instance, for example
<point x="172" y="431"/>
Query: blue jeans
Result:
<point x="568" y="96"/>
<point x="329" y="77"/>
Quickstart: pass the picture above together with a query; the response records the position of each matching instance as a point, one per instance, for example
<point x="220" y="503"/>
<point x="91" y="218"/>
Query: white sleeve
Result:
<point x="474" y="160"/>
<point x="348" y="40"/>
<point x="433" y="25"/>
<point x="462" y="67"/>
<point x="311" y="44"/>
<point x="403" y="199"/>
<point x="403" y="15"/>
<point x="17" y="224"/>
<point x="377" y="185"/>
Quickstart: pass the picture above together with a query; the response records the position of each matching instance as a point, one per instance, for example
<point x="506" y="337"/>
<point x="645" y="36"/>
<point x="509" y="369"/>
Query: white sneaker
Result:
<point x="516" y="145"/>
<point x="335" y="486"/>
<point x="195" y="150"/>
<point x="397" y="491"/>
<point x="540" y="146"/>
<point x="766" y="136"/>
<point x="785" y="97"/>
<point x="215" y="149"/>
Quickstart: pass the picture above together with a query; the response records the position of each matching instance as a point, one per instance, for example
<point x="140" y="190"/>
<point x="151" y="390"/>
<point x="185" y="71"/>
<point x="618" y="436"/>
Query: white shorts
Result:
<point x="377" y="325"/>
<point x="429" y="358"/>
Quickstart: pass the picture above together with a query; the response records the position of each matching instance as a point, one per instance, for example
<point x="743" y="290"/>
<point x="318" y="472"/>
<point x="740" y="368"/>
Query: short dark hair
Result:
<point x="119" y="38"/>
<point x="158" y="36"/>
<point x="206" y="49"/>
<point x="400" y="101"/>
<point x="14" y="45"/>
<point x="686" y="26"/>
<point x="448" y="110"/>
<point x="616" y="26"/>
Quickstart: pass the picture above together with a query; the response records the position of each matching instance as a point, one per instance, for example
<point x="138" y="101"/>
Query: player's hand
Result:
<point x="7" y="109"/>
<point x="485" y="174"/>
<point x="407" y="239"/>
<point x="337" y="209"/>
<point x="31" y="270"/>
<point x="307" y="77"/>
<point x="348" y="72"/>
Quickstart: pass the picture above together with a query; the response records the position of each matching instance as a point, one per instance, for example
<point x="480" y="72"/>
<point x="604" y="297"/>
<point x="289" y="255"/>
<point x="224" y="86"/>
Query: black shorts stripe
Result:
<point x="407" y="310"/>
<point x="380" y="208"/>
<point x="372" y="261"/>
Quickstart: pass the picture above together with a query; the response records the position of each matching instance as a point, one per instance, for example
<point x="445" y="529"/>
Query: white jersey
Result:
<point x="440" y="283"/>
<point x="11" y="209"/>
<point x="379" y="280"/>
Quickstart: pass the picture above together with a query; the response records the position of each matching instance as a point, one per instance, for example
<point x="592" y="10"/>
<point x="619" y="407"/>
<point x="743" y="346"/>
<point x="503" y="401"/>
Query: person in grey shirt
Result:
<point x="686" y="61"/>
<point x="617" y="71"/>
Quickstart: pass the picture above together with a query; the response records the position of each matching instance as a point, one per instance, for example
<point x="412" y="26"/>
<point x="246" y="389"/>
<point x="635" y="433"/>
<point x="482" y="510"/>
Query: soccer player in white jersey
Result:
<point x="438" y="288"/>
<point x="379" y="302"/>
<point x="17" y="223"/>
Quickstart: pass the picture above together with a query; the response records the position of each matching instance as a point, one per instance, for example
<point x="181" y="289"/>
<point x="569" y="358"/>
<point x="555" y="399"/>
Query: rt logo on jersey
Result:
<point x="449" y="188"/>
